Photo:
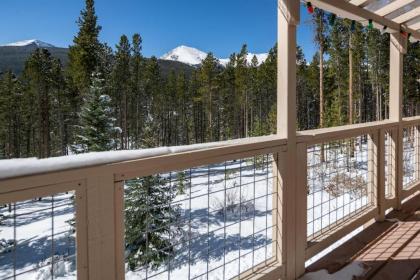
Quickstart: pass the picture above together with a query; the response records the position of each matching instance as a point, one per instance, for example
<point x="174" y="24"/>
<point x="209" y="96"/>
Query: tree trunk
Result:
<point x="351" y="91"/>
<point x="321" y="96"/>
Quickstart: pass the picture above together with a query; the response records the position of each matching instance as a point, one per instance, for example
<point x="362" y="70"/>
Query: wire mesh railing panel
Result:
<point x="208" y="222"/>
<point x="37" y="238"/>
<point x="338" y="183"/>
<point x="410" y="159"/>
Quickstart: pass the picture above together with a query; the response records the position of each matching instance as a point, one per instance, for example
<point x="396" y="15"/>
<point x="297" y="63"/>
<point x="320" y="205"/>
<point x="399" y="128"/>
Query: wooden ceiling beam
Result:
<point x="407" y="16"/>
<point x="415" y="26"/>
<point x="347" y="10"/>
<point x="393" y="6"/>
<point x="357" y="2"/>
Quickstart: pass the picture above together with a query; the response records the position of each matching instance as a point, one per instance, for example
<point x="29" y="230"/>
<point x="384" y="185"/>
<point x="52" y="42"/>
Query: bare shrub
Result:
<point x="344" y="183"/>
<point x="233" y="204"/>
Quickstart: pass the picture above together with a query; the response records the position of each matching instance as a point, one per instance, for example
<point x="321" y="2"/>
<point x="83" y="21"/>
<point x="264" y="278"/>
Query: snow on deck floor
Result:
<point x="349" y="272"/>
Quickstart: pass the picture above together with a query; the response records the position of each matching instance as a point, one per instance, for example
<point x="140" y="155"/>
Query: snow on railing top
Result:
<point x="10" y="168"/>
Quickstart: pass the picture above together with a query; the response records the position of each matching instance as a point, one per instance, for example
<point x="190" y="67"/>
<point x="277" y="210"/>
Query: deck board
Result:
<point x="389" y="249"/>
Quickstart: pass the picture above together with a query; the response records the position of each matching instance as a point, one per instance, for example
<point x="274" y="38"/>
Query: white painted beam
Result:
<point x="407" y="16"/>
<point x="393" y="6"/>
<point x="415" y="26"/>
<point x="350" y="11"/>
<point x="358" y="2"/>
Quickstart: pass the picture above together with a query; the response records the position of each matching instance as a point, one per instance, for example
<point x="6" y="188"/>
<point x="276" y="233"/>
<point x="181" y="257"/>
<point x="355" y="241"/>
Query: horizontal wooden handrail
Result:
<point x="183" y="157"/>
<point x="340" y="132"/>
<point x="411" y="121"/>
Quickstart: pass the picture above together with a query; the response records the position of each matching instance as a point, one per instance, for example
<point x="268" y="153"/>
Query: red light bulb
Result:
<point x="310" y="7"/>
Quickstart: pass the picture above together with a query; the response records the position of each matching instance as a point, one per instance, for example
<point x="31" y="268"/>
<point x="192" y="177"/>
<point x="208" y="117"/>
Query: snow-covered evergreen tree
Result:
<point x="96" y="130"/>
<point x="151" y="221"/>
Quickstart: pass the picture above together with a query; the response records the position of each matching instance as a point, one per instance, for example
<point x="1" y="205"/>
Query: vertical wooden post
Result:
<point x="288" y="18"/>
<point x="301" y="207"/>
<point x="277" y="212"/>
<point x="81" y="237"/>
<point x="119" y="231"/>
<point x="398" y="47"/>
<point x="101" y="227"/>
<point x="376" y="172"/>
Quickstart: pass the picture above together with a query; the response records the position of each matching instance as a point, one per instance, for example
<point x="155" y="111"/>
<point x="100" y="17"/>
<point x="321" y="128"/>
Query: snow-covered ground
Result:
<point x="39" y="235"/>
<point x="216" y="239"/>
<point x="409" y="161"/>
<point x="218" y="245"/>
<point x="337" y="187"/>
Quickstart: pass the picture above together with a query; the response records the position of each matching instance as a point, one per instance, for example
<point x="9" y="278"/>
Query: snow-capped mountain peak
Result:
<point x="184" y="54"/>
<point x="24" y="43"/>
<point x="193" y="56"/>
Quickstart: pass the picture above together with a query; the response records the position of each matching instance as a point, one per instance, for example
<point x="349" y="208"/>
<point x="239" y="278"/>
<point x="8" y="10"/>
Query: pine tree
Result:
<point x="150" y="221"/>
<point x="313" y="84"/>
<point x="337" y="75"/>
<point x="321" y="40"/>
<point x="304" y="94"/>
<point x="208" y="87"/>
<point x="241" y="90"/>
<point x="60" y="110"/>
<point x="96" y="130"/>
<point x="184" y="101"/>
<point x="41" y="88"/>
<point x="137" y="102"/>
<point x="84" y="55"/>
<point x="152" y="108"/>
<point x="10" y="116"/>
<point x="411" y="80"/>
<point x="121" y="87"/>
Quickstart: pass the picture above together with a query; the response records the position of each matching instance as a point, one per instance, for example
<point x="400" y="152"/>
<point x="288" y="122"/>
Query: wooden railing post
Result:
<point x="119" y="231"/>
<point x="301" y="207"/>
<point x="101" y="227"/>
<point x="288" y="19"/>
<point x="277" y="216"/>
<point x="398" y="47"/>
<point x="81" y="235"/>
<point x="376" y="171"/>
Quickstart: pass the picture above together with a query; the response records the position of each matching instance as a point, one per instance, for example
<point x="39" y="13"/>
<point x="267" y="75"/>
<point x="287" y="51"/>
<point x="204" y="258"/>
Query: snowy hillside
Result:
<point x="193" y="56"/>
<point x="25" y="43"/>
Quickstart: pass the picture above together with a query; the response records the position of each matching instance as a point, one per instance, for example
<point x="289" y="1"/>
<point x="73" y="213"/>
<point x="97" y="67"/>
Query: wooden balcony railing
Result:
<point x="227" y="213"/>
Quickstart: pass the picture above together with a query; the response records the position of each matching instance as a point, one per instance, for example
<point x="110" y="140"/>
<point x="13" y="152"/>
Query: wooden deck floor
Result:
<point x="389" y="249"/>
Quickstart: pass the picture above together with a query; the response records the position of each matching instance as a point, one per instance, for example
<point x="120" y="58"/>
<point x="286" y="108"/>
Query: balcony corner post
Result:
<point x="398" y="47"/>
<point x="288" y="19"/>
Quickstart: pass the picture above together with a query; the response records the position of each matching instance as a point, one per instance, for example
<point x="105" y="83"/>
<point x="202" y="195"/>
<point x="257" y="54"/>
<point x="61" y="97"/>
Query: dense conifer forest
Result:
<point x="110" y="99"/>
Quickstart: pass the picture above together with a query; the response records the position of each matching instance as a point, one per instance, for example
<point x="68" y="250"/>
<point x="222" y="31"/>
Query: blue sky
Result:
<point x="220" y="26"/>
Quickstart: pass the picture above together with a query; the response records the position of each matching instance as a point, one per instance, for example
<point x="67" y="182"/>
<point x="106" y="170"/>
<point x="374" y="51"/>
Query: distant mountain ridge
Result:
<point x="14" y="55"/>
<point x="183" y="58"/>
<point x="24" y="43"/>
